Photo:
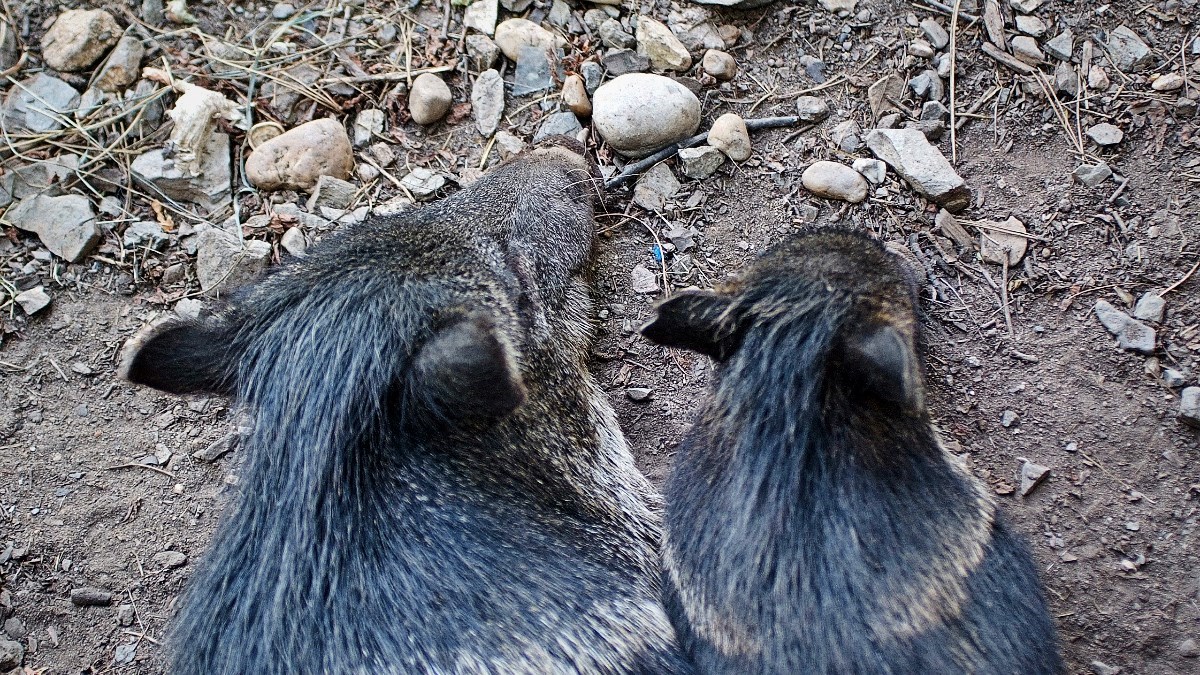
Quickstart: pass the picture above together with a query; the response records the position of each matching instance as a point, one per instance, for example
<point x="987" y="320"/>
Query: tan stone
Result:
<point x="78" y="38"/>
<point x="297" y="158"/>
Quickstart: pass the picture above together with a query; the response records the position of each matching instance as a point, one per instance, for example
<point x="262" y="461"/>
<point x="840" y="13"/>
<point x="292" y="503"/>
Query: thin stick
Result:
<point x="953" y="90"/>
<point x="641" y="165"/>
<point x="1179" y="283"/>
<point x="1004" y="295"/>
<point x="135" y="465"/>
<point x="387" y="77"/>
<point x="953" y="12"/>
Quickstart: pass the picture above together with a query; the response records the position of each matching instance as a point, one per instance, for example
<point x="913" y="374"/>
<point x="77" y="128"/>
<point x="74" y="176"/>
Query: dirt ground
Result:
<point x="98" y="483"/>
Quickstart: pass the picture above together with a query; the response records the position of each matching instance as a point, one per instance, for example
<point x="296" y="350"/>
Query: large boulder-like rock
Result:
<point x="639" y="113"/>
<point x="297" y="158"/>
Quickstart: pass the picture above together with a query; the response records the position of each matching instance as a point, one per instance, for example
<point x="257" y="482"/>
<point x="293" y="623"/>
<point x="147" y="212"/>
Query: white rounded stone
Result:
<point x="835" y="181"/>
<point x="639" y="113"/>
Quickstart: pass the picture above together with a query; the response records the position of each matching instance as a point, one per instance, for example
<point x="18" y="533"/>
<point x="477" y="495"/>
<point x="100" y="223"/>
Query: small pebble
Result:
<point x="729" y="135"/>
<point x="873" y="170"/>
<point x="1009" y="418"/>
<point x="575" y="96"/>
<point x="90" y="597"/>
<point x="1168" y="82"/>
<point x="638" y="394"/>
<point x="429" y="100"/>
<point x="1105" y="134"/>
<point x="720" y="65"/>
<point x="835" y="181"/>
<point x="811" y="109"/>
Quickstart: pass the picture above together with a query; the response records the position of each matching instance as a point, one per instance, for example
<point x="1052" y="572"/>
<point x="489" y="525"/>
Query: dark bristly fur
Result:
<point x="433" y="482"/>
<point x="815" y="523"/>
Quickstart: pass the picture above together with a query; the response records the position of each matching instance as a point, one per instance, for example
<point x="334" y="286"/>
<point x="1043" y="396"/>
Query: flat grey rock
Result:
<point x="922" y="165"/>
<point x="1189" y="406"/>
<point x="39" y="104"/>
<point x="557" y="124"/>
<point x="1131" y="334"/>
<point x="422" y="182"/>
<point x="593" y="75"/>
<point x="33" y="300"/>
<point x="847" y="136"/>
<point x="811" y="109"/>
<point x="938" y="37"/>
<point x="700" y="162"/>
<point x="332" y="192"/>
<point x="1032" y="475"/>
<point x="1128" y="51"/>
<point x="487" y="102"/>
<point x="928" y="85"/>
<point x="12" y="654"/>
<point x="367" y="125"/>
<point x="643" y="280"/>
<point x="1150" y="307"/>
<point x="482" y="51"/>
<point x="1105" y="134"/>
<point x="534" y="71"/>
<point x="211" y="189"/>
<point x="1173" y="378"/>
<point x="65" y="224"/>
<point x="146" y="233"/>
<point x="620" y="62"/>
<point x="614" y="35"/>
<point x="1061" y="46"/>
<point x="655" y="188"/>
<point x="1092" y="175"/>
<point x="224" y="262"/>
<point x="873" y="170"/>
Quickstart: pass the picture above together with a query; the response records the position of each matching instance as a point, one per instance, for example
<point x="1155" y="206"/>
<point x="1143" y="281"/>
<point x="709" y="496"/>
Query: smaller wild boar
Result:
<point x="815" y="523"/>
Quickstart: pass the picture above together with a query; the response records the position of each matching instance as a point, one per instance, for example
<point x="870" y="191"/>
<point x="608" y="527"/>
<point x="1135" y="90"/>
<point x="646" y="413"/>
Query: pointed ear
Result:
<point x="881" y="361"/>
<point x="468" y="369"/>
<point x="181" y="357"/>
<point x="695" y="320"/>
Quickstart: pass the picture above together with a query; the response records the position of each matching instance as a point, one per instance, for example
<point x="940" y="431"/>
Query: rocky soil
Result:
<point x="1039" y="159"/>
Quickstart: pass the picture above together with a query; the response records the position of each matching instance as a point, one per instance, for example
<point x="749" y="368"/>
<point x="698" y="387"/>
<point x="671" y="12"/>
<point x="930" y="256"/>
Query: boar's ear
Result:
<point x="695" y="320"/>
<point x="880" y="360"/>
<point x="182" y="357"/>
<point x="468" y="369"/>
